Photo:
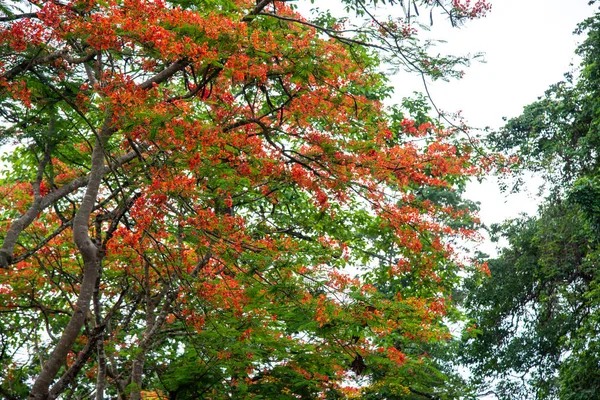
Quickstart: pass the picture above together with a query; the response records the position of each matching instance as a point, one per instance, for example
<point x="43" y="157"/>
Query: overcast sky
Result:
<point x="528" y="45"/>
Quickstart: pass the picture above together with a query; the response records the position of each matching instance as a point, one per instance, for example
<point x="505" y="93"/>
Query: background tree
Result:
<point x="536" y="316"/>
<point x="208" y="199"/>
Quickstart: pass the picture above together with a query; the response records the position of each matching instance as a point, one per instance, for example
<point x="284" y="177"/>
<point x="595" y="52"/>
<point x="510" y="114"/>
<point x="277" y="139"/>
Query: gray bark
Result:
<point x="90" y="254"/>
<point x="41" y="203"/>
<point x="153" y="325"/>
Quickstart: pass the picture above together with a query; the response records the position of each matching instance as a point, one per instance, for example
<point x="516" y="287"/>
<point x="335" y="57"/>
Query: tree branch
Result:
<point x="90" y="254"/>
<point x="68" y="377"/>
<point x="165" y="74"/>
<point x="18" y="16"/>
<point x="21" y="223"/>
<point x="28" y="64"/>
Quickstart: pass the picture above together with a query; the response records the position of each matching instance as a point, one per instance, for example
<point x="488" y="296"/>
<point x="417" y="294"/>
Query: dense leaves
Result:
<point x="208" y="199"/>
<point x="530" y="311"/>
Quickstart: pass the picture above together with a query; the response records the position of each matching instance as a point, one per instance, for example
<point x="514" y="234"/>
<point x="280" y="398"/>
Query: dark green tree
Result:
<point x="534" y="321"/>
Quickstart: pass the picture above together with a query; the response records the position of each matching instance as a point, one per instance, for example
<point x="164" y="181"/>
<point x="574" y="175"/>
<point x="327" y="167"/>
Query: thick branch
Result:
<point x="31" y="214"/>
<point x="164" y="74"/>
<point x="21" y="223"/>
<point x="83" y="356"/>
<point x="260" y="6"/>
<point x="153" y="329"/>
<point x="18" y="16"/>
<point x="28" y="64"/>
<point x="78" y="364"/>
<point x="90" y="254"/>
<point x="148" y="338"/>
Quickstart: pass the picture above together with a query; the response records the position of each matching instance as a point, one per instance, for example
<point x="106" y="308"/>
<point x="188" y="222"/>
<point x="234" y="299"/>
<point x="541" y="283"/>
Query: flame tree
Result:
<point x="208" y="199"/>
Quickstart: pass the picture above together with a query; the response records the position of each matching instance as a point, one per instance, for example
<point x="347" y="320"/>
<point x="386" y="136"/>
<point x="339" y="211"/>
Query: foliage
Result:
<point x="528" y="314"/>
<point x="208" y="199"/>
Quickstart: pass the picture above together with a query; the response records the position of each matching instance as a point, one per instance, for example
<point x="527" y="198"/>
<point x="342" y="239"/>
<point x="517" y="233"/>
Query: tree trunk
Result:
<point x="90" y="254"/>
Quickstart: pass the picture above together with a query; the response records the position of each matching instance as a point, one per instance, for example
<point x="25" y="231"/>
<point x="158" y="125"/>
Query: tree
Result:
<point x="536" y="316"/>
<point x="206" y="198"/>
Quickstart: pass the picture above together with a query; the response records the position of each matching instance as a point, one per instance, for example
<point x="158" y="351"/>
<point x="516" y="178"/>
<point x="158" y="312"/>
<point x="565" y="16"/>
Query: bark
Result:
<point x="18" y="16"/>
<point x="100" y="353"/>
<point x="39" y="204"/>
<point x="137" y="369"/>
<point x="68" y="377"/>
<point x="28" y="64"/>
<point x="90" y="254"/>
<point x="153" y="325"/>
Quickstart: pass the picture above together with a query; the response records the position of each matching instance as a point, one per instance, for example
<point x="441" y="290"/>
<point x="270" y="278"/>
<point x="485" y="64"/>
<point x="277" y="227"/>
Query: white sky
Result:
<point x="528" y="46"/>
